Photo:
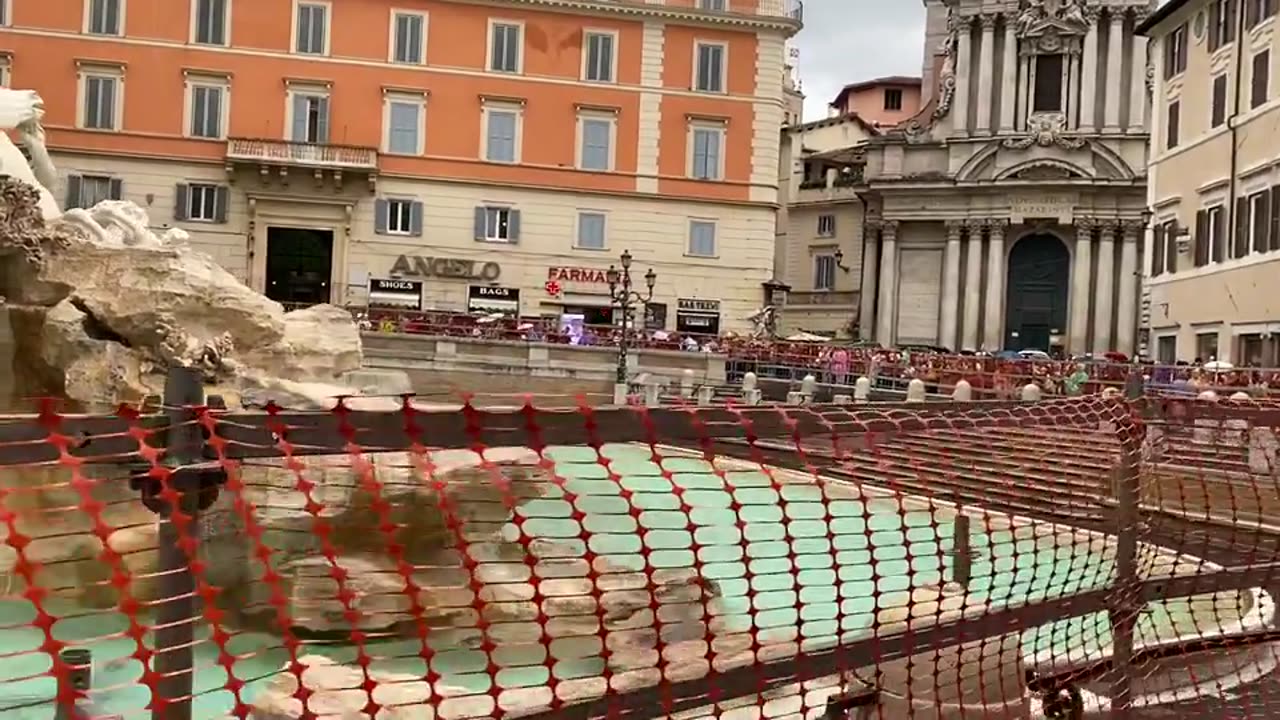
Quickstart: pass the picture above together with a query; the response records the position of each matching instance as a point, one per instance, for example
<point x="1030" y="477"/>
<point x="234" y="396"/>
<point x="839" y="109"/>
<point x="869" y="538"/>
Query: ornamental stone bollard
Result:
<point x="916" y="391"/>
<point x="809" y="387"/>
<point x="795" y="398"/>
<point x="841" y="399"/>
<point x="862" y="390"/>
<point x="620" y="393"/>
<point x="963" y="391"/>
<point x="653" y="393"/>
<point x="751" y="395"/>
<point x="1031" y="392"/>
<point x="706" y="394"/>
<point x="686" y="384"/>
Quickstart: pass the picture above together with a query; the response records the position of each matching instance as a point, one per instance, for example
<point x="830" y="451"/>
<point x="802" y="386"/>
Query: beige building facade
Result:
<point x="820" y="225"/>
<point x="1214" y="189"/>
<point x="1009" y="212"/>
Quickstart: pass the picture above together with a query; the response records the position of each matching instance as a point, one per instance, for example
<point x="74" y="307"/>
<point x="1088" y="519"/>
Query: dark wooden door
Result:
<point x="1036" y="303"/>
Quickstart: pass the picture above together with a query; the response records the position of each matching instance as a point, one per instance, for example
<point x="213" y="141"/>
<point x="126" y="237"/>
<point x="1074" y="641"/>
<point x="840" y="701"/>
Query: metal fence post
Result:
<point x="175" y="621"/>
<point x="1125" y="604"/>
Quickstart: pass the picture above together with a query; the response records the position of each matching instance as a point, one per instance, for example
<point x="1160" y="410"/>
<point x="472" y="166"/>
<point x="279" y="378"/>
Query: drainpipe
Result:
<point x="1233" y="184"/>
<point x="862" y="292"/>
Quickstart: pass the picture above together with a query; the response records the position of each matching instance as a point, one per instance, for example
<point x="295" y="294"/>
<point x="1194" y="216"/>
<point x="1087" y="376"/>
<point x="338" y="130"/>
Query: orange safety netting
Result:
<point x="1089" y="557"/>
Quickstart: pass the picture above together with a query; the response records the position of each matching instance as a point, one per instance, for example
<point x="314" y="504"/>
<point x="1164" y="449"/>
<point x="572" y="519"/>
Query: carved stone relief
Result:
<point x="1046" y="130"/>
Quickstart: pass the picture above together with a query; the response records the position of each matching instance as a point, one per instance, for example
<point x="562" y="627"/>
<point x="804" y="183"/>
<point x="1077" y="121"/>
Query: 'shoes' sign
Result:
<point x="418" y="266"/>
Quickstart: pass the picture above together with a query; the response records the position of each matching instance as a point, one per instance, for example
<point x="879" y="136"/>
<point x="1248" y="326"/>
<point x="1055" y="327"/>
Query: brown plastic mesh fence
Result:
<point x="1070" y="558"/>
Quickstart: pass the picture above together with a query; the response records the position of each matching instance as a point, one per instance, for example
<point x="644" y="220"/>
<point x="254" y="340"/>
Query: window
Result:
<point x="1171" y="246"/>
<point x="1047" y="96"/>
<point x="707" y="156"/>
<point x="597" y="56"/>
<point x="1175" y="51"/>
<point x="105" y="17"/>
<point x="310" y="121"/>
<point x="497" y="224"/>
<point x="210" y="18"/>
<point x="1249" y="350"/>
<point x="824" y="272"/>
<point x="1210" y="238"/>
<point x="702" y="238"/>
<point x="1256" y="11"/>
<point x="709" y="69"/>
<point x="397" y="216"/>
<point x="713" y="5"/>
<point x="893" y="99"/>
<point x="1219" y="111"/>
<point x="85" y="191"/>
<point x="1260" y="81"/>
<point x="504" y="50"/>
<point x="596" y="151"/>
<point x="1159" y="236"/>
<point x="206" y="111"/>
<point x="1275" y="217"/>
<point x="313" y="29"/>
<point x="1260" y="221"/>
<point x="1222" y="23"/>
<point x="1167" y="349"/>
<point x="826" y="226"/>
<point x="404" y="125"/>
<point x="591" y="230"/>
<point x="4" y="70"/>
<point x="4" y="17"/>
<point x="407" y="34"/>
<point x="200" y="202"/>
<point x="502" y="131"/>
<point x="101" y="101"/>
<point x="1206" y="346"/>
<point x="1171" y="125"/>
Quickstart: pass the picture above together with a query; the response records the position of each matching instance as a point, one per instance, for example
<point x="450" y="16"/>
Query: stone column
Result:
<point x="986" y="67"/>
<point x="1115" y="71"/>
<point x="1023" y="100"/>
<point x="1081" y="268"/>
<point x="1127" y="302"/>
<point x="972" y="286"/>
<point x="964" y="58"/>
<point x="867" y="289"/>
<point x="887" y="316"/>
<point x="1104" y="292"/>
<point x="951" y="286"/>
<point x="1009" y="76"/>
<point x="992" y="337"/>
<point x="1089" y="73"/>
<point x="1138" y="83"/>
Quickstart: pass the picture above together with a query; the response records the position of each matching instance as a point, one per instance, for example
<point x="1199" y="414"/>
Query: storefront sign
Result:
<point x="490" y="299"/>
<point x="395" y="293"/>
<point x="452" y="268"/>
<point x="574" y="274"/>
<point x="698" y="316"/>
<point x="700" y="306"/>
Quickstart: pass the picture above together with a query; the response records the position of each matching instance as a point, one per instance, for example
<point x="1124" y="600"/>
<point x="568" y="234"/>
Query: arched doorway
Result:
<point x="1036" y="303"/>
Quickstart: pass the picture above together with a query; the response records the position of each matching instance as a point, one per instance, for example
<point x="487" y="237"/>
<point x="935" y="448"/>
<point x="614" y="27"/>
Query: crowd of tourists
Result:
<point x="991" y="376"/>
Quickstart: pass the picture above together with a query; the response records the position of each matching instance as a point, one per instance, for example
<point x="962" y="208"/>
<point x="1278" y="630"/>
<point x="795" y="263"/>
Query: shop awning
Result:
<point x="393" y="299"/>
<point x="495" y="305"/>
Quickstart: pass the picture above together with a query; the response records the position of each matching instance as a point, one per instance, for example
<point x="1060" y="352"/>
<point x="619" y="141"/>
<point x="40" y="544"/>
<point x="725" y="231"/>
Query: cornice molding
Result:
<point x="638" y="8"/>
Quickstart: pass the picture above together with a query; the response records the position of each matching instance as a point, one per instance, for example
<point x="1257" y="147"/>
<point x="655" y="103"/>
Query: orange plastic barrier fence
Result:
<point x="387" y="559"/>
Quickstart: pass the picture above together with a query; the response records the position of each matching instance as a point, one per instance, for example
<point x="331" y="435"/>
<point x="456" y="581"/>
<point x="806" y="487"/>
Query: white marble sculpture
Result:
<point x="118" y="304"/>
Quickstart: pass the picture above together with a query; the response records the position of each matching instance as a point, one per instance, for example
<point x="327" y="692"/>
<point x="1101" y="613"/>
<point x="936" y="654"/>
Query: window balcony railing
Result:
<point x="299" y="154"/>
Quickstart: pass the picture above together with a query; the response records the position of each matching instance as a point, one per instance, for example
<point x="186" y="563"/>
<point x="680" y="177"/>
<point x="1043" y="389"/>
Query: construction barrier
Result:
<point x="1087" y="557"/>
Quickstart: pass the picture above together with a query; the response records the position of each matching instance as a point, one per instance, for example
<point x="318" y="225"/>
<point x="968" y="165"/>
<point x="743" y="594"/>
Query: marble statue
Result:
<point x="105" y="306"/>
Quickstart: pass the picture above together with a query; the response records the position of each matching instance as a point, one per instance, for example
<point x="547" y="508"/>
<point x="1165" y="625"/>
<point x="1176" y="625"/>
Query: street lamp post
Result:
<point x="625" y="298"/>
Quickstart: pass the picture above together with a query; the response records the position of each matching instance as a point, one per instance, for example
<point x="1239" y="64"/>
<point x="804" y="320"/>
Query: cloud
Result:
<point x="846" y="41"/>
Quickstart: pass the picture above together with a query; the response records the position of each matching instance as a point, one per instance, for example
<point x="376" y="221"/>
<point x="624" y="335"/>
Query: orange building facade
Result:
<point x="353" y="150"/>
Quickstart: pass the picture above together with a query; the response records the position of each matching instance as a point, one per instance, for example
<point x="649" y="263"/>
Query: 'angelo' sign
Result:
<point x="418" y="266"/>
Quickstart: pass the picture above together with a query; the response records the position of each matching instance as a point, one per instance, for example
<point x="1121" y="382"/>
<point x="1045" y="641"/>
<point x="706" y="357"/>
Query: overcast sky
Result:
<point x="846" y="41"/>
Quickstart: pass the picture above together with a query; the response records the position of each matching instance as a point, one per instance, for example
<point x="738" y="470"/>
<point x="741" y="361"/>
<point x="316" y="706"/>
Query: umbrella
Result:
<point x="1218" y="366"/>
<point x="806" y="337"/>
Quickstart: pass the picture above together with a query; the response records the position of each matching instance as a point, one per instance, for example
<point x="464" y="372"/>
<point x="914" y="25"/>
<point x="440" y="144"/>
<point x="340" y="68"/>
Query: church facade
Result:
<point x="1010" y="212"/>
